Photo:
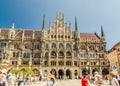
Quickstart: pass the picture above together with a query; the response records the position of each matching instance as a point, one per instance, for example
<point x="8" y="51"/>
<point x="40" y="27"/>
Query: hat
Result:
<point x="96" y="72"/>
<point x="4" y="71"/>
<point x="113" y="73"/>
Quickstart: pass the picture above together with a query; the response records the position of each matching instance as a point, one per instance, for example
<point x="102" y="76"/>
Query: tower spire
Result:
<point x="43" y="24"/>
<point x="76" y="26"/>
<point x="13" y="26"/>
<point x="102" y="32"/>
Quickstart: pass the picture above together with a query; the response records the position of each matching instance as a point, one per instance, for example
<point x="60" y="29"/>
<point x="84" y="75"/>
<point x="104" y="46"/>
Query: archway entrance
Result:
<point x="94" y="70"/>
<point x="60" y="74"/>
<point x="53" y="71"/>
<point x="84" y="72"/>
<point x="105" y="71"/>
<point x="68" y="74"/>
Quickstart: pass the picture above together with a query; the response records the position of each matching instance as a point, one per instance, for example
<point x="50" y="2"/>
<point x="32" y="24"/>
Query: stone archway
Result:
<point x="94" y="70"/>
<point x="54" y="72"/>
<point x="60" y="74"/>
<point x="84" y="72"/>
<point x="68" y="74"/>
<point x="36" y="72"/>
<point x="105" y="71"/>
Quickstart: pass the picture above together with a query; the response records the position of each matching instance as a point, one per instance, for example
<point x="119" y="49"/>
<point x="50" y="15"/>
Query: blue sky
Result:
<point x="91" y="14"/>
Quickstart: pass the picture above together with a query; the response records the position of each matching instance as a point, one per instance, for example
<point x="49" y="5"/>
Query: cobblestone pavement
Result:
<point x="66" y="83"/>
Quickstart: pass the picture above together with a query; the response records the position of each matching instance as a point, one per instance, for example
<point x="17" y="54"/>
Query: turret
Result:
<point x="12" y="32"/>
<point x="103" y="37"/>
<point x="43" y="29"/>
<point x="77" y="34"/>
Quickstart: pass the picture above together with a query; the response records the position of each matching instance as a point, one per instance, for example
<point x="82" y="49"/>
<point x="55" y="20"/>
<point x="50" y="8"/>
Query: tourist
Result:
<point x="114" y="81"/>
<point x="21" y="83"/>
<point x="52" y="81"/>
<point x="85" y="81"/>
<point x="3" y="80"/>
<point x="98" y="79"/>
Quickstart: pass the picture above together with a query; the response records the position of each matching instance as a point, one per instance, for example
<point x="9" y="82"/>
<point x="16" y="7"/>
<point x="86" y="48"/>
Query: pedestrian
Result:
<point x="114" y="81"/>
<point x="3" y="80"/>
<point x="52" y="81"/>
<point x="98" y="79"/>
<point x="85" y="81"/>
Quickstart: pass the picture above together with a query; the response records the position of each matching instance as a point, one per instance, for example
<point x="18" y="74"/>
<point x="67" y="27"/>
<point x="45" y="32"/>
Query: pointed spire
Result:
<point x="76" y="26"/>
<point x="102" y="32"/>
<point x="43" y="24"/>
<point x="13" y="26"/>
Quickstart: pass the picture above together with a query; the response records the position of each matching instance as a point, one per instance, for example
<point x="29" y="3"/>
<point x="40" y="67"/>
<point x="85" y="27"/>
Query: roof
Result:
<point x="84" y="37"/>
<point x="89" y="37"/>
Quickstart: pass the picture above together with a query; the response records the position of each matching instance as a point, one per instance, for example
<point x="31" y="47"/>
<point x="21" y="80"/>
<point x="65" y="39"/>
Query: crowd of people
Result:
<point x="86" y="80"/>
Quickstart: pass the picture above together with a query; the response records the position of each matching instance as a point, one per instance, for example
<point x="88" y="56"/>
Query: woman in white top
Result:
<point x="114" y="81"/>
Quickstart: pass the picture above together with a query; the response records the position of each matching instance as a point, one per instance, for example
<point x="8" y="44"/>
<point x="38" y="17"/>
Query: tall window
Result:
<point x="27" y="46"/>
<point x="53" y="53"/>
<point x="46" y="54"/>
<point x="68" y="54"/>
<point x="82" y="47"/>
<point x="3" y="45"/>
<point x="82" y="55"/>
<point x="16" y="54"/>
<point x="74" y="47"/>
<point x="26" y="55"/>
<point x="46" y="46"/>
<point x="37" y="47"/>
<point x="61" y="46"/>
<point x="61" y="54"/>
<point x="91" y="48"/>
<point x="68" y="46"/>
<point x="53" y="45"/>
<point x="16" y="46"/>
<point x="37" y="55"/>
<point x="91" y="56"/>
<point x="100" y="48"/>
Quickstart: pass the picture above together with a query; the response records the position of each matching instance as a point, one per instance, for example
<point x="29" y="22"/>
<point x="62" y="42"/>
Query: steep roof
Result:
<point x="89" y="37"/>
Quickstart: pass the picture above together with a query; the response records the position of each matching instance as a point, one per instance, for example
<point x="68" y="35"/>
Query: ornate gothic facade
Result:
<point x="58" y="50"/>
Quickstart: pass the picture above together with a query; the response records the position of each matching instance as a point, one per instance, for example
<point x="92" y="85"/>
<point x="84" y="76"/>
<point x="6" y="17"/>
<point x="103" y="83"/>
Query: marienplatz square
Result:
<point x="59" y="49"/>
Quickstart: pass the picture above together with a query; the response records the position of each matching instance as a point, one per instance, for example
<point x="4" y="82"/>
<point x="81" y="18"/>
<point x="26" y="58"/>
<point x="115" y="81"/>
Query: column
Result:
<point x="73" y="59"/>
<point x="49" y="59"/>
<point x="64" y="60"/>
<point x="30" y="61"/>
<point x="57" y="59"/>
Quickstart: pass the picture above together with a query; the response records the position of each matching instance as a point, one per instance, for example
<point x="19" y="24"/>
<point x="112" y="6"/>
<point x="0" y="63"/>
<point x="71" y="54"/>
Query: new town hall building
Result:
<point x="59" y="50"/>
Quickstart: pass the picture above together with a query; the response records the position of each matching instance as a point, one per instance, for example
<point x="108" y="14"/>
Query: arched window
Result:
<point x="61" y="53"/>
<point x="74" y="47"/>
<point x="27" y="46"/>
<point x="53" y="45"/>
<point x="100" y="48"/>
<point x="91" y="48"/>
<point x="46" y="46"/>
<point x="16" y="46"/>
<point x="68" y="54"/>
<point x="53" y="53"/>
<point x="82" y="47"/>
<point x="68" y="46"/>
<point x="61" y="46"/>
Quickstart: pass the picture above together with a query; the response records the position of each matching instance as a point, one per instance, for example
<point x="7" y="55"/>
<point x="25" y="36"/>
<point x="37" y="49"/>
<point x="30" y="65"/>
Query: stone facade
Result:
<point x="59" y="50"/>
<point x="114" y="56"/>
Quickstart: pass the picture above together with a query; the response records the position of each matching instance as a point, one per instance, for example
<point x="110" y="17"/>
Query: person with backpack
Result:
<point x="114" y="81"/>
